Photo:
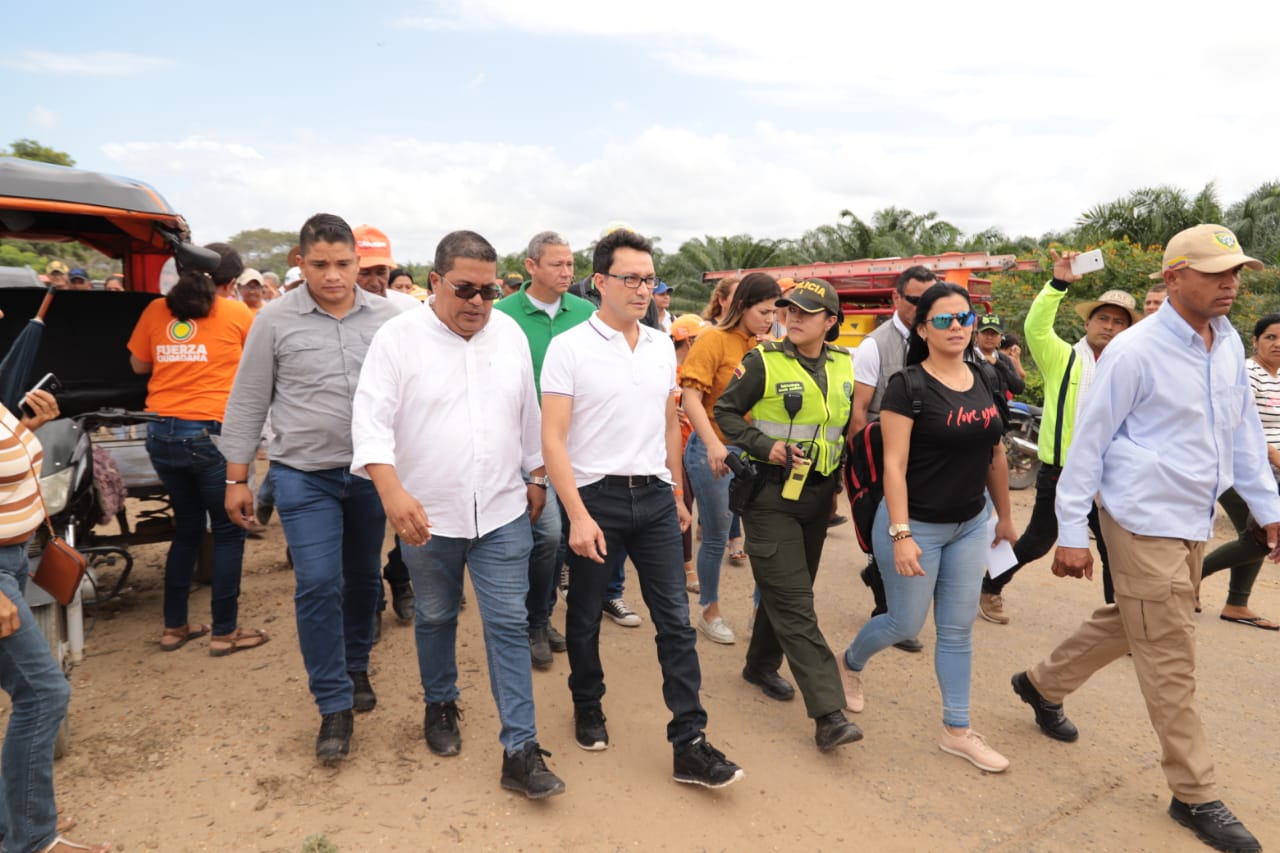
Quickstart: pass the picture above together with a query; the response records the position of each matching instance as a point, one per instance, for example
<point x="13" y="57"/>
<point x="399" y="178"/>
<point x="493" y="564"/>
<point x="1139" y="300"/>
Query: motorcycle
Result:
<point x="1022" y="444"/>
<point x="71" y="496"/>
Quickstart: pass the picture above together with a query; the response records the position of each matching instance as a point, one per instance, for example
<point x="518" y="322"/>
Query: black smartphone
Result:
<point x="49" y="383"/>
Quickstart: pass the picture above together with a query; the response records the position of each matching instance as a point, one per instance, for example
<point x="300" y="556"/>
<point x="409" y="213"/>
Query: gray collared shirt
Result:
<point x="302" y="364"/>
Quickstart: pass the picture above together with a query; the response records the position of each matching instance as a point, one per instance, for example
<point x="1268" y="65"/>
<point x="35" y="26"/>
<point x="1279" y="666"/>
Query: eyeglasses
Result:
<point x="466" y="290"/>
<point x="634" y="281"/>
<point x="944" y="321"/>
<point x="910" y="300"/>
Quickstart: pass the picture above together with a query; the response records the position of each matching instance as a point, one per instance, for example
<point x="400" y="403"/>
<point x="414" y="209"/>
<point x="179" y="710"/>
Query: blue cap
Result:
<point x="662" y="287"/>
<point x="78" y="272"/>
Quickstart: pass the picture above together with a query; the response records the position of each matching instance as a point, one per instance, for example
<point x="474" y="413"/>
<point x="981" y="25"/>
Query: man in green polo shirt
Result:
<point x="543" y="309"/>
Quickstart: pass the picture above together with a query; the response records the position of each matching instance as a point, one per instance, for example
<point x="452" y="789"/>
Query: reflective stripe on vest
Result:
<point x="821" y="421"/>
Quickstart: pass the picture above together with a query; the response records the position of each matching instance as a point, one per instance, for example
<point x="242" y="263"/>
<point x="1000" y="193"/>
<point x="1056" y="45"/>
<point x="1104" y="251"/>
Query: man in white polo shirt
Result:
<point x="441" y="396"/>
<point x="611" y="442"/>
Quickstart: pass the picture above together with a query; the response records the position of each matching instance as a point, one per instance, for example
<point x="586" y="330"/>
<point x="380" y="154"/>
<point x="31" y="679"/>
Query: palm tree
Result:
<point x="740" y="251"/>
<point x="1256" y="221"/>
<point x="1149" y="216"/>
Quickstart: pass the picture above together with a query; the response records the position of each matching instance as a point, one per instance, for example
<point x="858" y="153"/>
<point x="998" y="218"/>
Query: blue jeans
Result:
<point x="193" y="472"/>
<point x="39" y="692"/>
<point x="499" y="566"/>
<point x="544" y="568"/>
<point x="642" y="520"/>
<point x="953" y="557"/>
<point x="711" y="494"/>
<point x="334" y="526"/>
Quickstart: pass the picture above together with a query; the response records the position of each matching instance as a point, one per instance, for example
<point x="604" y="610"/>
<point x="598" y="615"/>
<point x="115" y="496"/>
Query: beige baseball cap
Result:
<point x="1205" y="248"/>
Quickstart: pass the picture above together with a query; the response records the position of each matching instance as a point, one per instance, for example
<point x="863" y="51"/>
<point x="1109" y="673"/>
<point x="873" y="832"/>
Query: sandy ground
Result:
<point x="184" y="752"/>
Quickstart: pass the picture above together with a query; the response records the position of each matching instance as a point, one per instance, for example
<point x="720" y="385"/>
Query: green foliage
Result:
<point x="1150" y="215"/>
<point x="318" y="844"/>
<point x="265" y="250"/>
<point x="1256" y="221"/>
<point x="29" y="149"/>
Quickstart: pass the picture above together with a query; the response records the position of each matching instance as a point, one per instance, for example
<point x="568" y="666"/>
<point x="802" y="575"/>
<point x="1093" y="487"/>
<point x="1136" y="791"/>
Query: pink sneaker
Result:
<point x="972" y="747"/>
<point x="852" y="682"/>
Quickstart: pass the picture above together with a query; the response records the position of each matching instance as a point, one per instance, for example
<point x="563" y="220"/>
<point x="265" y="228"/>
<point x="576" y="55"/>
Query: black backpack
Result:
<point x="864" y="463"/>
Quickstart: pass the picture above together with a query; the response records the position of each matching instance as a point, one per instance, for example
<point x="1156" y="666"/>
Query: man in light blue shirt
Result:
<point x="1167" y="425"/>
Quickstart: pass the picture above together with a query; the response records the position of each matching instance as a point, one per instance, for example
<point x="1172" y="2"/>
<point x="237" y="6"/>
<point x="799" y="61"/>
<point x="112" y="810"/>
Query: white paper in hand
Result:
<point x="1000" y="559"/>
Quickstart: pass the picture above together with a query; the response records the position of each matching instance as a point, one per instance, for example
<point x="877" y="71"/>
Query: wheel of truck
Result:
<point x="1024" y="467"/>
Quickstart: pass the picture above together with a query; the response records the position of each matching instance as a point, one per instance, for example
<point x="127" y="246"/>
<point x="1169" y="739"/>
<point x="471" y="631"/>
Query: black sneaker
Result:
<point x="362" y="696"/>
<point x="700" y="763"/>
<point x="1051" y="719"/>
<point x="402" y="602"/>
<point x="911" y="644"/>
<point x="440" y="727"/>
<point x="1215" y="825"/>
<point x="334" y="741"/>
<point x="540" y="648"/>
<point x="835" y="729"/>
<point x="770" y="683"/>
<point x="527" y="773"/>
<point x="588" y="728"/>
<point x="555" y="639"/>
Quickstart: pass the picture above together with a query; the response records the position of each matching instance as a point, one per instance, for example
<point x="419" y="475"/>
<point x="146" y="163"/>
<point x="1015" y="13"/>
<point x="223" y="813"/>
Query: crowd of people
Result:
<point x="541" y="445"/>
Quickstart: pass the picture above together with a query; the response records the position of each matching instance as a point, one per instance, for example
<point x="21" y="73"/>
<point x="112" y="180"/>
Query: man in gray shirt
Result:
<point x="302" y="361"/>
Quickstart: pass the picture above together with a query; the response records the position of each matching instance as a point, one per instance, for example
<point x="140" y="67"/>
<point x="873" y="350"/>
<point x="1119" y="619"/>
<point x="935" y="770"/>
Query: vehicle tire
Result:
<point x="1023" y="467"/>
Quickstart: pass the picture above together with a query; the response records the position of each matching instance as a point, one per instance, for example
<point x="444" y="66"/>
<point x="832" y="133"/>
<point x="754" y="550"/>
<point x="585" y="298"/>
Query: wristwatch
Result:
<point x="539" y="481"/>
<point x="899" y="529"/>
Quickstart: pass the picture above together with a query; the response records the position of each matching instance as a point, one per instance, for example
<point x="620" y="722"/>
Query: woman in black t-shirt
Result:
<point x="941" y="452"/>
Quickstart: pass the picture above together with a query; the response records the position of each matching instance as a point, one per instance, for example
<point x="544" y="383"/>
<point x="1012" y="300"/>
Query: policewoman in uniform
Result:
<point x="798" y="395"/>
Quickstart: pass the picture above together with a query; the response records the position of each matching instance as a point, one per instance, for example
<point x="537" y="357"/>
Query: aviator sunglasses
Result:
<point x="943" y="321"/>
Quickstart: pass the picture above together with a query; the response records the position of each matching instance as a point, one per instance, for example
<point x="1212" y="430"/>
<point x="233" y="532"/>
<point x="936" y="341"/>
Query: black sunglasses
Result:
<point x="488" y="292"/>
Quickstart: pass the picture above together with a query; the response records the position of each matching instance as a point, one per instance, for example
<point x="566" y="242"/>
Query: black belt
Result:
<point x="778" y="474"/>
<point x="631" y="481"/>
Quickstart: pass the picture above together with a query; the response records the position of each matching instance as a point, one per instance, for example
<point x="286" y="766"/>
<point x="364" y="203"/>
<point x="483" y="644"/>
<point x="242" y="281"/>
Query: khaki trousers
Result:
<point x="1153" y="618"/>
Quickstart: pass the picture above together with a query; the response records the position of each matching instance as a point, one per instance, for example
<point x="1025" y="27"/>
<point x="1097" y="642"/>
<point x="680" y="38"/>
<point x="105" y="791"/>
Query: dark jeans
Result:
<point x="396" y="574"/>
<point x="1243" y="556"/>
<point x="334" y="525"/>
<point x="643" y="521"/>
<point x="194" y="472"/>
<point x="39" y="694"/>
<point x="544" y="567"/>
<point x="1042" y="533"/>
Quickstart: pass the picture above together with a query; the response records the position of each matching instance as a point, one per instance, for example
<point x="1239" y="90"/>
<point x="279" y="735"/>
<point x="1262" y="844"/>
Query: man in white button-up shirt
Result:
<point x="441" y="396"/>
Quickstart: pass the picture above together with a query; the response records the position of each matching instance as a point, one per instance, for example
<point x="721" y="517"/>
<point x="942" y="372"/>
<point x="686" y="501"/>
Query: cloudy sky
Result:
<point x="681" y="117"/>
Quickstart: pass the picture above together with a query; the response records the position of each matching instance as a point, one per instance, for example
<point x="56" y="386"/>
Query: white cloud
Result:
<point x="44" y="118"/>
<point x="99" y="63"/>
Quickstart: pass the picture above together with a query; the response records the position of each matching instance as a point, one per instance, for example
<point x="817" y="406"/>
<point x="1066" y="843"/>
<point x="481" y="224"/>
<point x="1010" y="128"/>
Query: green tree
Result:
<point x="1255" y="219"/>
<point x="265" y="250"/>
<point x="29" y="149"/>
<point x="1149" y="216"/>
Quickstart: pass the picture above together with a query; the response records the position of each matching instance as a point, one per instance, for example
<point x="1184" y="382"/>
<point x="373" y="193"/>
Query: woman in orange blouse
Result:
<point x="706" y="373"/>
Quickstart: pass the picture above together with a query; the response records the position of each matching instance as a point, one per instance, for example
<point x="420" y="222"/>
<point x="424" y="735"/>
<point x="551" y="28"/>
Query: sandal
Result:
<point x="737" y="557"/>
<point x="175" y="638"/>
<point x="65" y="823"/>
<point x="63" y="845"/>
<point x="691" y="580"/>
<point x="241" y="640"/>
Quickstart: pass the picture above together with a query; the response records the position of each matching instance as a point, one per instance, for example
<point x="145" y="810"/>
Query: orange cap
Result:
<point x="373" y="247"/>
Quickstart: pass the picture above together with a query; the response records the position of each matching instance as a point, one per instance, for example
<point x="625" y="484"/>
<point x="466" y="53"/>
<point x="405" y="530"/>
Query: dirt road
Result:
<point x="184" y="752"/>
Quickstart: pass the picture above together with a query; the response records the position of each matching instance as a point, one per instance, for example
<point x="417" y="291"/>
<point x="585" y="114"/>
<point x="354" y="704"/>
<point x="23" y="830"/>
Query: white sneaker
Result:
<point x="972" y="747"/>
<point x="717" y="630"/>
<point x="854" y="699"/>
<point x="617" y="610"/>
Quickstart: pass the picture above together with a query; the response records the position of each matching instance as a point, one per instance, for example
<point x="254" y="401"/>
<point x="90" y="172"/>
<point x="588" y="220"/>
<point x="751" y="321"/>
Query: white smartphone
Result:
<point x="1087" y="262"/>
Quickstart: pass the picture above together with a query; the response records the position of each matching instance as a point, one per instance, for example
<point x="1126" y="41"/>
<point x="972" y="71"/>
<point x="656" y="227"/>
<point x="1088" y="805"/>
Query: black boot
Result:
<point x="334" y="741"/>
<point x="527" y="772"/>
